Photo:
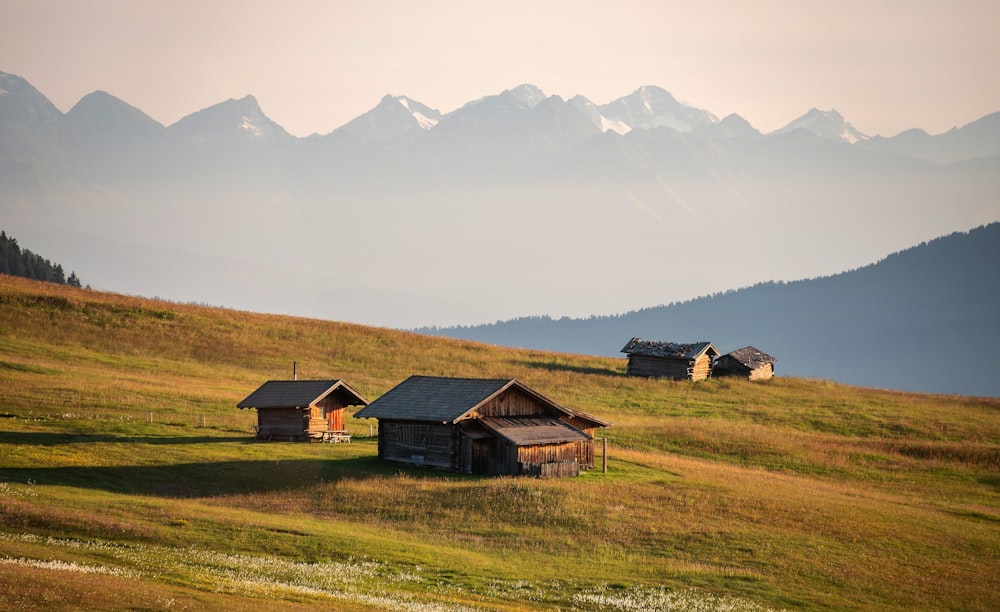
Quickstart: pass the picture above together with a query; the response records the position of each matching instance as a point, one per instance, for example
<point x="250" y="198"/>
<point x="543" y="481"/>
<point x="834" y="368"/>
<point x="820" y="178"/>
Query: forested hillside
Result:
<point x="918" y="320"/>
<point x="21" y="262"/>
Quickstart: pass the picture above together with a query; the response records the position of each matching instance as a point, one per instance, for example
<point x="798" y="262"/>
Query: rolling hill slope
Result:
<point x="129" y="477"/>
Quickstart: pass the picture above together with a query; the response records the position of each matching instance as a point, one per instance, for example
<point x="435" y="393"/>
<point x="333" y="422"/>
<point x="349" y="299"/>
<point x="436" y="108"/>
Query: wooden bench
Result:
<point x="336" y="436"/>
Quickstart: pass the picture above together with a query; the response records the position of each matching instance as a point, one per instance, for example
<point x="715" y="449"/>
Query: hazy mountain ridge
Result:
<point x="906" y="322"/>
<point x="978" y="139"/>
<point x="21" y="102"/>
<point x="514" y="203"/>
<point x="829" y="125"/>
<point x="647" y="107"/>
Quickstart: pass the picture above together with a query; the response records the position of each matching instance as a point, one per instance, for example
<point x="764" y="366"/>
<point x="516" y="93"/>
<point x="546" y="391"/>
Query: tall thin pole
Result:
<point x="604" y="456"/>
<point x="295" y="375"/>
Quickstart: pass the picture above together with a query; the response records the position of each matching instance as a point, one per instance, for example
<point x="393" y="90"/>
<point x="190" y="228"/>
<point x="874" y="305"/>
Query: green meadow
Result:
<point x="130" y="480"/>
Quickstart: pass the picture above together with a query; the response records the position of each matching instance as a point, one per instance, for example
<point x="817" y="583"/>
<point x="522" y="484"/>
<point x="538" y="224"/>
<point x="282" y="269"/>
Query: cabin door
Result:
<point x="484" y="453"/>
<point x="335" y="419"/>
<point x="474" y="455"/>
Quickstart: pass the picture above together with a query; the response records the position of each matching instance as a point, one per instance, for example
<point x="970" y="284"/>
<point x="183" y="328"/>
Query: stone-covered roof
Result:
<point x="751" y="357"/>
<point x="298" y="394"/>
<point x="670" y="350"/>
<point x="447" y="400"/>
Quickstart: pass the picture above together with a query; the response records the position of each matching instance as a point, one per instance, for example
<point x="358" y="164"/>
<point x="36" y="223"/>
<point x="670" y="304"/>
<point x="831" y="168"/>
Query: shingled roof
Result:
<point x="298" y="394"/>
<point x="751" y="357"/>
<point x="447" y="400"/>
<point x="676" y="350"/>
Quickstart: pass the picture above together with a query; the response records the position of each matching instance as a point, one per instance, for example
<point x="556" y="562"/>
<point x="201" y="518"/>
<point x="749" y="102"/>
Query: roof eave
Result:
<point x="338" y="385"/>
<point x="589" y="417"/>
<point x="705" y="349"/>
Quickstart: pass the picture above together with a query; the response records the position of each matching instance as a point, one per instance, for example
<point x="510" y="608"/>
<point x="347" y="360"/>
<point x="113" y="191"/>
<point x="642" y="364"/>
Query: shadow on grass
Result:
<point x="36" y="438"/>
<point x="553" y="366"/>
<point x="208" y="478"/>
<point x="190" y="480"/>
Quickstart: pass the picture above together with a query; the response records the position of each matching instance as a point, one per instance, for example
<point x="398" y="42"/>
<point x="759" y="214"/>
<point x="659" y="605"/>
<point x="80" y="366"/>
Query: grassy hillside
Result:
<point x="129" y="479"/>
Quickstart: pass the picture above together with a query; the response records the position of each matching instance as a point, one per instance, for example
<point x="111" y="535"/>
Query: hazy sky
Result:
<point x="886" y="65"/>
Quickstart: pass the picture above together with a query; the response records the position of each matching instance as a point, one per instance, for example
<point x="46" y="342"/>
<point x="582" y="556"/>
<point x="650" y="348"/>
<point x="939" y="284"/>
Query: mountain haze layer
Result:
<point x="515" y="204"/>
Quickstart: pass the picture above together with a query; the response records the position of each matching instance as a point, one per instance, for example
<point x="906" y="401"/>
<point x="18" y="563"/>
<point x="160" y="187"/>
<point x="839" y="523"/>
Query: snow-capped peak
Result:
<point x="603" y="123"/>
<point x="829" y="125"/>
<point x="393" y="117"/>
<point x="252" y="119"/>
<point x="650" y="107"/>
<point x="426" y="117"/>
<point x="655" y="97"/>
<point x="241" y="118"/>
<point x="527" y="94"/>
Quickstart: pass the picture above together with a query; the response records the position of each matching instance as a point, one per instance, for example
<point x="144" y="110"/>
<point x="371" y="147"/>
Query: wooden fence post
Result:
<point x="604" y="456"/>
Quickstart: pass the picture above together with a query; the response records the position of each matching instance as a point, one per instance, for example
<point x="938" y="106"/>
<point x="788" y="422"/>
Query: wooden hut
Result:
<point x="302" y="409"/>
<point x="481" y="426"/>
<point x="673" y="360"/>
<point x="746" y="362"/>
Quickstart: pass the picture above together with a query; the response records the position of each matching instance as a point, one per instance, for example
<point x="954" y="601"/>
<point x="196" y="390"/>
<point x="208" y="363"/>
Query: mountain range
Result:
<point x="514" y="204"/>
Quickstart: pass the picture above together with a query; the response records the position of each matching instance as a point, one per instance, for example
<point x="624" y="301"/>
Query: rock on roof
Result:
<point x="751" y="357"/>
<point x="675" y="350"/>
<point x="298" y="394"/>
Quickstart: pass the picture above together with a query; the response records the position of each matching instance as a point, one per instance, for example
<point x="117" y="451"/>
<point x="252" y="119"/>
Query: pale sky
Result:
<point x="885" y="65"/>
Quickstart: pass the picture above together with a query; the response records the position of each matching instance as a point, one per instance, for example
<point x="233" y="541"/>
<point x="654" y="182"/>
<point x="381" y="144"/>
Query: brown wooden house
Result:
<point x="301" y="409"/>
<point x="746" y="362"/>
<point x="481" y="426"/>
<point x="672" y="360"/>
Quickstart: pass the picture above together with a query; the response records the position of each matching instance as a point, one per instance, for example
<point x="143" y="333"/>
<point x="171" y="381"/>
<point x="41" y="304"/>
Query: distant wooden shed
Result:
<point x="481" y="426"/>
<point x="301" y="409"/>
<point x="672" y="360"/>
<point x="746" y="362"/>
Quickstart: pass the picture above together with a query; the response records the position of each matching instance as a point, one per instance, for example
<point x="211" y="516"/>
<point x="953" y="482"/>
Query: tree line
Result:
<point x="21" y="262"/>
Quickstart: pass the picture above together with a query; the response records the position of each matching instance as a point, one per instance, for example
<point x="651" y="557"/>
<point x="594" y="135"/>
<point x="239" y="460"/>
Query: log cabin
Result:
<point x="481" y="426"/>
<point x="302" y="410"/>
<point x="746" y="362"/>
<point x="671" y="360"/>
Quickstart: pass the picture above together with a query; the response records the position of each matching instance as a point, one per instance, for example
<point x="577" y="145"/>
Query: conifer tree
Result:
<point x="16" y="261"/>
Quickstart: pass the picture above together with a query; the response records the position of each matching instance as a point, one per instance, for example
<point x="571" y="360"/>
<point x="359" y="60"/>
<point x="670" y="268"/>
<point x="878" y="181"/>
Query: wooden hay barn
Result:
<point x="746" y="362"/>
<point x="672" y="360"/>
<point x="481" y="426"/>
<point x="300" y="410"/>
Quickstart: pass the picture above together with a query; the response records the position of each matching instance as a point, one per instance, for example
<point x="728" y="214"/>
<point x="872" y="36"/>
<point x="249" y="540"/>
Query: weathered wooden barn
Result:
<point x="673" y="360"/>
<point x="746" y="362"/>
<point x="302" y="409"/>
<point x="481" y="426"/>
